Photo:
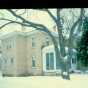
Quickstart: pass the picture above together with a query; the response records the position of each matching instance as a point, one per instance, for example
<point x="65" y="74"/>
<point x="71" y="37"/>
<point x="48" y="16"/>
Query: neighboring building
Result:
<point x="21" y="52"/>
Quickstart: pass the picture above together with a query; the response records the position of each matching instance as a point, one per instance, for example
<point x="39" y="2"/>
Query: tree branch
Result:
<point x="59" y="19"/>
<point x="50" y="14"/>
<point x="27" y="23"/>
<point x="5" y="24"/>
<point x="43" y="28"/>
<point x="24" y="20"/>
<point x="22" y="12"/>
<point x="72" y="29"/>
<point x="78" y="21"/>
<point x="11" y="21"/>
<point x="21" y="23"/>
<point x="81" y="19"/>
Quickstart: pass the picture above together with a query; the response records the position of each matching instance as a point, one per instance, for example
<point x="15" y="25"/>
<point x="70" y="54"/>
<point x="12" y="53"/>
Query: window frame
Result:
<point x="11" y="60"/>
<point x="47" y="41"/>
<point x="33" y="42"/>
<point x="33" y="60"/>
<point x="49" y="61"/>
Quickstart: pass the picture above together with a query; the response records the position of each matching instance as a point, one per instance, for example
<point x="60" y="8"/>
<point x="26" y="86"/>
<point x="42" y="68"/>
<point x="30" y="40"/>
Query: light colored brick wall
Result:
<point x="40" y="38"/>
<point x="8" y="67"/>
<point x="21" y="55"/>
<point x="22" y="52"/>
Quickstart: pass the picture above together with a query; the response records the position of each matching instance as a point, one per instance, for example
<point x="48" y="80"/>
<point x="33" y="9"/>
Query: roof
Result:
<point x="36" y="31"/>
<point x="8" y="35"/>
<point x="11" y="34"/>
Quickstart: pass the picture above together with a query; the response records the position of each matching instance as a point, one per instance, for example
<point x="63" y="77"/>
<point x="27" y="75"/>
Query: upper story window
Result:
<point x="12" y="60"/>
<point x="9" y="44"/>
<point x="47" y="40"/>
<point x="33" y="42"/>
<point x="33" y="61"/>
<point x="5" y="60"/>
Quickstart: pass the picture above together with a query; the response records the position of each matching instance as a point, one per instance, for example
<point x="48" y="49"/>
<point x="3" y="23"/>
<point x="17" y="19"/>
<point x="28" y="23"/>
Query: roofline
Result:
<point x="8" y="35"/>
<point x="35" y="31"/>
<point x="11" y="34"/>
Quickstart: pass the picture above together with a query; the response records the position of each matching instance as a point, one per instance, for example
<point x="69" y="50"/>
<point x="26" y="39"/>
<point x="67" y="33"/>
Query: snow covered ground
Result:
<point x="77" y="81"/>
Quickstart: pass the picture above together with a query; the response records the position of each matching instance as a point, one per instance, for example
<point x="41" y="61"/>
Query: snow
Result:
<point x="77" y="81"/>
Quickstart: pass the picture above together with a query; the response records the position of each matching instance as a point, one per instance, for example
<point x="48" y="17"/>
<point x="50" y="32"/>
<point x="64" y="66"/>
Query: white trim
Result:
<point x="54" y="61"/>
<point x="14" y="33"/>
<point x="33" y="43"/>
<point x="36" y="31"/>
<point x="49" y="49"/>
<point x="11" y="34"/>
<point x="33" y="59"/>
<point x="32" y="32"/>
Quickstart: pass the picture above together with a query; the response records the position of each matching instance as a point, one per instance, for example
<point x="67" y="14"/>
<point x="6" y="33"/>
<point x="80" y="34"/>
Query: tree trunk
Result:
<point x="64" y="65"/>
<point x="57" y="53"/>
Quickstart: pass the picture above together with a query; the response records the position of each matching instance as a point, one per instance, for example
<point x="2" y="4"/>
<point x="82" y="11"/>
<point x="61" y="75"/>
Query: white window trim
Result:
<point x="44" y="63"/>
<point x="33" y="57"/>
<point x="32" y="41"/>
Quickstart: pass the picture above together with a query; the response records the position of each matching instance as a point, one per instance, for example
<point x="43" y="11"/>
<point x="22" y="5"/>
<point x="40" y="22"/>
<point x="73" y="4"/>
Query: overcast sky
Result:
<point x="33" y="15"/>
<point x="40" y="17"/>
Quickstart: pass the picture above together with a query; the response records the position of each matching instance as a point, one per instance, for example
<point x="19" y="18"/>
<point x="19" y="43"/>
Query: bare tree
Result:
<point x="78" y="23"/>
<point x="60" y="54"/>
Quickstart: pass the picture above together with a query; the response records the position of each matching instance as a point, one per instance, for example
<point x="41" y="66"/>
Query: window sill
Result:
<point x="52" y="70"/>
<point x="33" y="67"/>
<point x="33" y="47"/>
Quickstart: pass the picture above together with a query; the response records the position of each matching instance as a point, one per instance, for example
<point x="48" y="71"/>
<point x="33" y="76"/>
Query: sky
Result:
<point x="37" y="16"/>
<point x="32" y="15"/>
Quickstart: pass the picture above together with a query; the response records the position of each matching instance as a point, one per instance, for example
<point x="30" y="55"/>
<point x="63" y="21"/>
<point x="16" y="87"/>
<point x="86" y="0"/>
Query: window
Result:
<point x="33" y="41"/>
<point x="47" y="41"/>
<point x="57" y="63"/>
<point x="49" y="61"/>
<point x="5" y="60"/>
<point x="33" y="61"/>
<point x="11" y="60"/>
<point x="8" y="46"/>
<point x="73" y="60"/>
<point x="13" y="43"/>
